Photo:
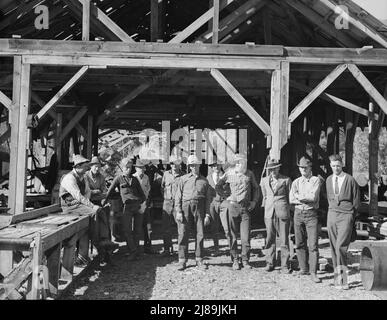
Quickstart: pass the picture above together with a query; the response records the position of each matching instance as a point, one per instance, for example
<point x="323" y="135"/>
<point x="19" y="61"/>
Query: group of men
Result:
<point x="225" y="198"/>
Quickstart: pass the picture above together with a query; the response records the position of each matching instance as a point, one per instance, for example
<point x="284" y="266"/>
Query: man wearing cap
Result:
<point x="305" y="195"/>
<point x="168" y="189"/>
<point x="74" y="193"/>
<point x="192" y="203"/>
<point x="218" y="210"/>
<point x="132" y="196"/>
<point x="143" y="179"/>
<point x="241" y="202"/>
<point x="275" y="191"/>
<point x="344" y="200"/>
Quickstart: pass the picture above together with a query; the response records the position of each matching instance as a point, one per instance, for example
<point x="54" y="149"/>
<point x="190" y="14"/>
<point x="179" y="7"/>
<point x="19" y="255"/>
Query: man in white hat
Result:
<point x="192" y="203"/>
<point x="305" y="195"/>
<point x="74" y="193"/>
<point x="241" y="202"/>
<point x="168" y="189"/>
<point x="143" y="179"/>
<point x="275" y="191"/>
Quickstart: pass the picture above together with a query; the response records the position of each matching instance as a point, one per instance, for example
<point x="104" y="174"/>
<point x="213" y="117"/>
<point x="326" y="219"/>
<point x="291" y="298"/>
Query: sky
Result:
<point x="378" y="8"/>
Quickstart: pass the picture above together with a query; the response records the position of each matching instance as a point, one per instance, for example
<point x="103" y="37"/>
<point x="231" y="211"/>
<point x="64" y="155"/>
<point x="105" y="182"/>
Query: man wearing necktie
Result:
<point x="275" y="191"/>
<point x="344" y="199"/>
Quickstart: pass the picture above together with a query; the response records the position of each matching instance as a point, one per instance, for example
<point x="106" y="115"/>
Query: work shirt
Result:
<point x="96" y="183"/>
<point x="308" y="192"/>
<point x="340" y="180"/>
<point x="243" y="186"/>
<point x="169" y="184"/>
<point x="143" y="179"/>
<point x="70" y="188"/>
<point x="130" y="188"/>
<point x="192" y="187"/>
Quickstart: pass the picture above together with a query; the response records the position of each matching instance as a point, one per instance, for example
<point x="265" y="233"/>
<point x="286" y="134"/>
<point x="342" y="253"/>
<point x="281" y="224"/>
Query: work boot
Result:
<point x="269" y="268"/>
<point x="315" y="278"/>
<point x="246" y="265"/>
<point x="286" y="270"/>
<point x="181" y="266"/>
<point x="301" y="273"/>
<point x="236" y="265"/>
<point x="201" y="265"/>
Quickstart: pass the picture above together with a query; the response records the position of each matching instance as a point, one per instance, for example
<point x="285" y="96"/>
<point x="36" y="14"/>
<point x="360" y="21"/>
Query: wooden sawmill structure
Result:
<point x="282" y="69"/>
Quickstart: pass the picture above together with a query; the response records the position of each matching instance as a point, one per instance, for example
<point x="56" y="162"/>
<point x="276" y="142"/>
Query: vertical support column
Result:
<point x="19" y="136"/>
<point x="58" y="143"/>
<point x="351" y="121"/>
<point x="90" y="124"/>
<point x="157" y="19"/>
<point x="215" y="23"/>
<point x="373" y="149"/>
<point x="85" y="20"/>
<point x="279" y="109"/>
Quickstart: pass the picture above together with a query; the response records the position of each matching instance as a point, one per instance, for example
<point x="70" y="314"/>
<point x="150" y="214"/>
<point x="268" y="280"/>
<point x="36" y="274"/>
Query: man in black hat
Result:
<point x="305" y="195"/>
<point x="275" y="191"/>
<point x="74" y="193"/>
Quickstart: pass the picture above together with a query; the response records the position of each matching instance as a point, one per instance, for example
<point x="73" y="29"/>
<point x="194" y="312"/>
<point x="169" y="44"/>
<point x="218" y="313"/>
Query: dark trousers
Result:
<point x="167" y="223"/>
<point x="147" y="228"/>
<point x="215" y="209"/>
<point x="274" y="226"/>
<point x="193" y="212"/>
<point x="132" y="225"/>
<point x="340" y="227"/>
<point x="306" y="234"/>
<point x="116" y="218"/>
<point x="239" y="221"/>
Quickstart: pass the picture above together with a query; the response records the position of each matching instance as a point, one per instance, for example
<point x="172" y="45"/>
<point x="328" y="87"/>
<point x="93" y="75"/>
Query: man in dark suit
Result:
<point x="275" y="191"/>
<point x="344" y="199"/>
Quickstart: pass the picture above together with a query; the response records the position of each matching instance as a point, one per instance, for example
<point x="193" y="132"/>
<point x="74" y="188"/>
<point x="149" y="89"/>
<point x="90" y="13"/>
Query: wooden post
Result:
<point x="373" y="149"/>
<point x="58" y="142"/>
<point x="53" y="266"/>
<point x="86" y="20"/>
<point x="351" y="121"/>
<point x="68" y="258"/>
<point x="279" y="109"/>
<point x="215" y="23"/>
<point x="19" y="136"/>
<point x="90" y="123"/>
<point x="36" y="265"/>
<point x="157" y="19"/>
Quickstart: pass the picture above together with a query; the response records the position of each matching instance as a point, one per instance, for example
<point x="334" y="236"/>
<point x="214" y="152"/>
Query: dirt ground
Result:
<point x="155" y="277"/>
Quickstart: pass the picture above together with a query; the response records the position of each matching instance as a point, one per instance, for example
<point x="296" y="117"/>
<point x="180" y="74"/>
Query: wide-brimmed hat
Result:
<point x="175" y="160"/>
<point x="78" y="159"/>
<point x="304" y="162"/>
<point x="271" y="164"/>
<point x="95" y="160"/>
<point x="140" y="163"/>
<point x="192" y="159"/>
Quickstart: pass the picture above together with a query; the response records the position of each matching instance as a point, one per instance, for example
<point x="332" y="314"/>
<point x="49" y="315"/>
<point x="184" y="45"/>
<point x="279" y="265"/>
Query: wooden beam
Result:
<point x="215" y="23"/>
<point x="317" y="91"/>
<point x="367" y="85"/>
<point x="5" y="136"/>
<point x="58" y="142"/>
<point x="157" y="19"/>
<point x="90" y="125"/>
<point x="238" y="98"/>
<point x="267" y="26"/>
<point x="194" y="26"/>
<point x="341" y="37"/>
<point x="279" y="109"/>
<point x="331" y="98"/>
<point x="85" y="20"/>
<point x="373" y="150"/>
<point x="61" y="93"/>
<point x="358" y="24"/>
<point x="351" y="122"/>
<point x="70" y="126"/>
<point x="7" y="102"/>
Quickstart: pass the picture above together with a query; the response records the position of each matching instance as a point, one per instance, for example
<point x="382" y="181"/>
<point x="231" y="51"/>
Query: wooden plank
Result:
<point x="267" y="27"/>
<point x="53" y="266"/>
<point x="157" y="19"/>
<point x="373" y="151"/>
<point x="35" y="213"/>
<point x="6" y="135"/>
<point x="238" y="98"/>
<point x="215" y="22"/>
<point x="184" y="34"/>
<point x="341" y="37"/>
<point x="37" y="254"/>
<point x="90" y="125"/>
<point x="279" y="110"/>
<point x="317" y="91"/>
<point x="6" y="262"/>
<point x="16" y="278"/>
<point x="58" y="142"/>
<point x="70" y="126"/>
<point x="351" y="122"/>
<point x="62" y="92"/>
<point x="358" y="24"/>
<point x="86" y="20"/>
<point x="7" y="102"/>
<point x="68" y="258"/>
<point x="367" y="85"/>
